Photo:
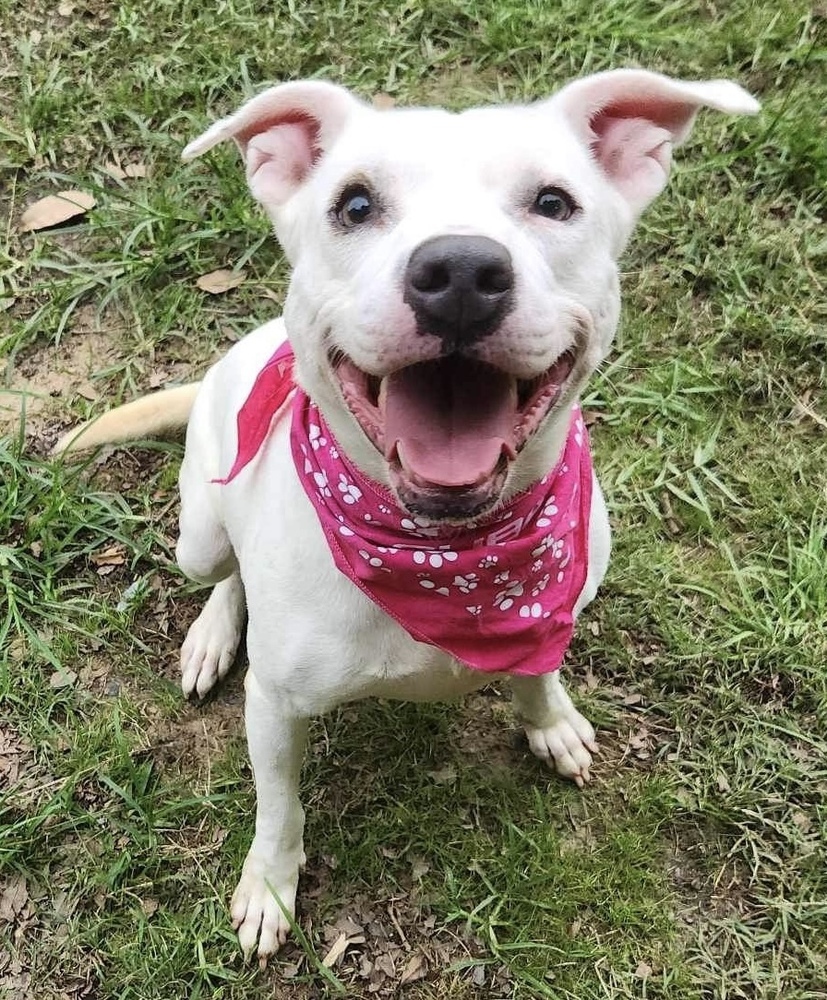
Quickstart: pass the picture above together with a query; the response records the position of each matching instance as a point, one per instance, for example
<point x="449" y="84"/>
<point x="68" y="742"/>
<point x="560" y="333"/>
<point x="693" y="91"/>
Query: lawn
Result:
<point x="442" y="855"/>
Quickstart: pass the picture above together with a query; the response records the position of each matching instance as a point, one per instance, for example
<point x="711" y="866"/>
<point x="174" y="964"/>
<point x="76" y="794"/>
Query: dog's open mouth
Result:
<point x="449" y="428"/>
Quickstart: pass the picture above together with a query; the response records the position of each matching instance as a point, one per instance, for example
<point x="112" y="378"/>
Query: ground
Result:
<point x="442" y="859"/>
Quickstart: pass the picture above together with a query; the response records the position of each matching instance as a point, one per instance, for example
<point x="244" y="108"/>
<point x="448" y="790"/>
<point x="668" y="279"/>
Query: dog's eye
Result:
<point x="355" y="206"/>
<point x="555" y="203"/>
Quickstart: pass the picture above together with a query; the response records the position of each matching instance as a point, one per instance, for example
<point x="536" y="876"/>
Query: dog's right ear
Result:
<point x="282" y="133"/>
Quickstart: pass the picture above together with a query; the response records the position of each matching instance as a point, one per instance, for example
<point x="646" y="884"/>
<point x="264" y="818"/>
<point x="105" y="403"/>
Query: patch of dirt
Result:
<point x="45" y="377"/>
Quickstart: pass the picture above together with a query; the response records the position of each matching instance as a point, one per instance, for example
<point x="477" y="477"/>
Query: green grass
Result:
<point x="694" y="866"/>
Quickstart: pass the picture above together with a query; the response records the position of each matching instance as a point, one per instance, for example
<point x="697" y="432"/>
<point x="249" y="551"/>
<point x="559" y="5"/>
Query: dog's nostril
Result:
<point x="494" y="280"/>
<point x="434" y="278"/>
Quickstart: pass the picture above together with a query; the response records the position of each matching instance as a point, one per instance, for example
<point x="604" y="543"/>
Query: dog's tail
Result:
<point x="159" y="413"/>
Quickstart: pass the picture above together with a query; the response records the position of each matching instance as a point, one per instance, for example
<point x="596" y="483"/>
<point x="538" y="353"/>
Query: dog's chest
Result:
<point x="314" y="633"/>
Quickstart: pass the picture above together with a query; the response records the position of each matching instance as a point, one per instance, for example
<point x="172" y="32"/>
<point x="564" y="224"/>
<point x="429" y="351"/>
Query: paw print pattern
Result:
<point x="549" y="511"/>
<point x="316" y="438"/>
<point x="543" y="547"/>
<point x="434" y="559"/>
<point x="320" y="479"/>
<point x="505" y="598"/>
<point x="465" y="584"/>
<point x="350" y="492"/>
<point x="374" y="561"/>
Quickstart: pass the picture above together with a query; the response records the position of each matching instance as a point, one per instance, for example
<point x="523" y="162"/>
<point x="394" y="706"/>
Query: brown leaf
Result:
<point x="56" y="208"/>
<point x="643" y="971"/>
<point x="419" y="868"/>
<point x="416" y="968"/>
<point x="383" y="102"/>
<point x="88" y="391"/>
<point x="114" y="170"/>
<point x="444" y="775"/>
<point x="338" y="949"/>
<point x="62" y="678"/>
<point x="108" y="559"/>
<point x="14" y="898"/>
<point x="135" y="170"/>
<point x="384" y="963"/>
<point x="220" y="281"/>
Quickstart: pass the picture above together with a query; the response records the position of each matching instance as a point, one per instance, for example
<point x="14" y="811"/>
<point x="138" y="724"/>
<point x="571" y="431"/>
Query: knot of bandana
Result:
<point x="498" y="596"/>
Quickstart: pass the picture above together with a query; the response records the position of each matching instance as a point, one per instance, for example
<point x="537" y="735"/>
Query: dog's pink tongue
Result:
<point x="449" y="421"/>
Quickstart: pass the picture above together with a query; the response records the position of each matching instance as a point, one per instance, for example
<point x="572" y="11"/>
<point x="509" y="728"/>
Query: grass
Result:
<point x="694" y="866"/>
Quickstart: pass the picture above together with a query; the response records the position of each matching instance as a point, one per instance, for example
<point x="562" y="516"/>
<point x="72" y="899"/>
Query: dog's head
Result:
<point x="454" y="275"/>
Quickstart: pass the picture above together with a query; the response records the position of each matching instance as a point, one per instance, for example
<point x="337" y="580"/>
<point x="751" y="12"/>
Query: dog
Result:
<point x="401" y="501"/>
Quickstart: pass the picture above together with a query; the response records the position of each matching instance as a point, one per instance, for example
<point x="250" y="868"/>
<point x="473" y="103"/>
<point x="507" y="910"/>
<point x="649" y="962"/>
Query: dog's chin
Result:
<point x="448" y="504"/>
<point x="450" y="429"/>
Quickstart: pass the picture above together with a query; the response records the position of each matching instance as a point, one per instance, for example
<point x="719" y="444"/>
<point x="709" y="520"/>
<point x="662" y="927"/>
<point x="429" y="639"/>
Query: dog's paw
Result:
<point x="209" y="650"/>
<point x="261" y="923"/>
<point x="565" y="743"/>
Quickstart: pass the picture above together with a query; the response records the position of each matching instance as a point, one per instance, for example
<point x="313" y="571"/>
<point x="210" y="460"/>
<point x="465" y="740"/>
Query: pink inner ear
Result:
<point x="279" y="154"/>
<point x="633" y="144"/>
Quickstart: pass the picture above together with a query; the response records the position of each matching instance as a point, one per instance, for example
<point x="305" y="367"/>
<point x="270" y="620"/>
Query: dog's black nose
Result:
<point x="459" y="287"/>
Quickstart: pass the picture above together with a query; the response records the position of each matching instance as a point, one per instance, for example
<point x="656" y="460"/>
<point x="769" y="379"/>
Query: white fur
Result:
<point x="314" y="640"/>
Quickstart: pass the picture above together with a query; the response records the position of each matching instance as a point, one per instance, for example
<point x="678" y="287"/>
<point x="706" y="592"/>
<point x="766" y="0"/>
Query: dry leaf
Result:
<point x="419" y="868"/>
<point x="135" y="170"/>
<point x="415" y="969"/>
<point x="643" y="971"/>
<point x="62" y="679"/>
<point x="384" y="963"/>
<point x="108" y="559"/>
<point x="444" y="775"/>
<point x="220" y="281"/>
<point x="338" y="949"/>
<point x="88" y="391"/>
<point x="383" y="102"/>
<point x="14" y="898"/>
<point x="56" y="208"/>
<point x="114" y="170"/>
<point x="65" y="9"/>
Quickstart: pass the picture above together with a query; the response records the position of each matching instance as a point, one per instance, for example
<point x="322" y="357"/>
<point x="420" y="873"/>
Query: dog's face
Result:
<point x="454" y="276"/>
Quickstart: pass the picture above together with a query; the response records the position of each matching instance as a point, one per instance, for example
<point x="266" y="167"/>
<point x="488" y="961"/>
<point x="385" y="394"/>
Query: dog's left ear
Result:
<point x="631" y="119"/>
<point x="282" y="133"/>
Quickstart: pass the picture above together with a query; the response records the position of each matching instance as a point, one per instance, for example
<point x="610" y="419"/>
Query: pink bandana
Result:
<point x="498" y="596"/>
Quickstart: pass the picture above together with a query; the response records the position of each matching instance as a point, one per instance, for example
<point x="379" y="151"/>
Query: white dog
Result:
<point x="420" y="514"/>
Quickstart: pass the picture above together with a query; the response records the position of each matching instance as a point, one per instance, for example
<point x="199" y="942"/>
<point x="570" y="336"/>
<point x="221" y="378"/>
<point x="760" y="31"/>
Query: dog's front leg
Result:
<point x="212" y="641"/>
<point x="556" y="731"/>
<point x="276" y="740"/>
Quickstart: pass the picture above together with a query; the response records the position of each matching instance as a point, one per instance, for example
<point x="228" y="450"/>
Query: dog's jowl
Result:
<point x="393" y="481"/>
